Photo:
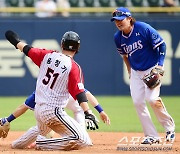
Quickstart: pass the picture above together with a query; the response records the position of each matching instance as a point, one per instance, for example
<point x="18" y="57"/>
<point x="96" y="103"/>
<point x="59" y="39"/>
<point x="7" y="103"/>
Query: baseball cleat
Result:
<point x="170" y="136"/>
<point x="150" y="140"/>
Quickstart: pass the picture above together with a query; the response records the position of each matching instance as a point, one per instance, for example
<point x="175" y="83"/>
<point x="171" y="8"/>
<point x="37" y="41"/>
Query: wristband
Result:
<point x="98" y="108"/>
<point x="11" y="118"/>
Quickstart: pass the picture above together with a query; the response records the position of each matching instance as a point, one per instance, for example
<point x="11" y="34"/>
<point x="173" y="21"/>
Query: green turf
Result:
<point x="119" y="108"/>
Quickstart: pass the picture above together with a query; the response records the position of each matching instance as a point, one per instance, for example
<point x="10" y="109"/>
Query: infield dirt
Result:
<point x="104" y="143"/>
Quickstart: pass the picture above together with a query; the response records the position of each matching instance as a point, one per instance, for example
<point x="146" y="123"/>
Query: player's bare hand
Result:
<point x="104" y="117"/>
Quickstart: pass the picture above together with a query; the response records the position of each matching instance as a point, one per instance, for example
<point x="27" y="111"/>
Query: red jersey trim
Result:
<point x="76" y="80"/>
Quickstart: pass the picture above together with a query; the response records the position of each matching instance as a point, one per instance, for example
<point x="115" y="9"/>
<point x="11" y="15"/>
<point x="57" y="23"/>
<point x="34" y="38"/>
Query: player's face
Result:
<point x="124" y="25"/>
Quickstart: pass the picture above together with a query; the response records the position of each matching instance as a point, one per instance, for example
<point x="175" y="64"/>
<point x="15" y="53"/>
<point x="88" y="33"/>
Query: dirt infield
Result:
<point x="104" y="142"/>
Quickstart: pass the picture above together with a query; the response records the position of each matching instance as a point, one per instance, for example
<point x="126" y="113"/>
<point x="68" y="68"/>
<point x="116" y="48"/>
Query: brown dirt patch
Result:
<point x="104" y="142"/>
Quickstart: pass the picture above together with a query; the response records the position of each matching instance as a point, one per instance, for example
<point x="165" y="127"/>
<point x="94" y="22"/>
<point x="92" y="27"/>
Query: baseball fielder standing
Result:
<point x="143" y="51"/>
<point x="59" y="76"/>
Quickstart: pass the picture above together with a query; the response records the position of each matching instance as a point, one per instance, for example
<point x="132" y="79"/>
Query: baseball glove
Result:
<point x="4" y="127"/>
<point x="153" y="79"/>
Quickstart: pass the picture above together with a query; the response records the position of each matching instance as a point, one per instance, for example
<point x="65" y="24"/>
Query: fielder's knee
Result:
<point x="138" y="103"/>
<point x="156" y="103"/>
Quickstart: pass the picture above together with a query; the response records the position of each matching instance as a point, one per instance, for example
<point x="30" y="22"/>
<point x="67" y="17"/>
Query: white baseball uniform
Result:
<point x="59" y="76"/>
<point x="143" y="48"/>
<point x="144" y="93"/>
<point x="30" y="136"/>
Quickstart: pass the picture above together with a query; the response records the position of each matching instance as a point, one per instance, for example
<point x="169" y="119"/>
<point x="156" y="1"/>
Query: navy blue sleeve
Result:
<point x="153" y="36"/>
<point x="162" y="53"/>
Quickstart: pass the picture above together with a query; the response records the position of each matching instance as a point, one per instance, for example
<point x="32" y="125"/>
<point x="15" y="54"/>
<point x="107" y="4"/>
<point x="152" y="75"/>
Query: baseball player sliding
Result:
<point x="59" y="77"/>
<point x="27" y="139"/>
<point x="143" y="51"/>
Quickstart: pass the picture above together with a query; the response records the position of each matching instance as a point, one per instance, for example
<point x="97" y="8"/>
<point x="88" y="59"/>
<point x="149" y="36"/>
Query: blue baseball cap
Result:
<point x="120" y="14"/>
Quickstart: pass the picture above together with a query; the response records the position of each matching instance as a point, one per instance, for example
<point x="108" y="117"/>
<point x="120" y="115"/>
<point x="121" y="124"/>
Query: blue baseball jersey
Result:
<point x="30" y="101"/>
<point x="140" y="45"/>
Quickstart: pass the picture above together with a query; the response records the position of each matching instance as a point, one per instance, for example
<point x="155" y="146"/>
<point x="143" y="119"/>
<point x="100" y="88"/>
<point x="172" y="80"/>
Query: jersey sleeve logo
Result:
<point x="154" y="36"/>
<point x="80" y="86"/>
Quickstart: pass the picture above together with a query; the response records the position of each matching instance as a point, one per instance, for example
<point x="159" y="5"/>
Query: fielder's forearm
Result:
<point x="126" y="61"/>
<point x="18" y="112"/>
<point x="82" y="100"/>
<point x="94" y="102"/>
<point x="91" y="99"/>
<point x="162" y="53"/>
<point x="84" y="106"/>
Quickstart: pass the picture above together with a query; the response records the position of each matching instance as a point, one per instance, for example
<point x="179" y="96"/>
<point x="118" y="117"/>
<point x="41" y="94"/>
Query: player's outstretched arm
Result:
<point x="5" y="122"/>
<point x="35" y="54"/>
<point x="94" y="102"/>
<point x="20" y="110"/>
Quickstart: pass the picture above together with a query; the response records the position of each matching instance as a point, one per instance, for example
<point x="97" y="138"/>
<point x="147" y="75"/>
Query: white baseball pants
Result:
<point x="72" y="135"/>
<point x="30" y="136"/>
<point x="140" y="93"/>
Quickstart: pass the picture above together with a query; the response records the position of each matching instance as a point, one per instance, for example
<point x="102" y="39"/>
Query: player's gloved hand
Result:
<point x="3" y="121"/>
<point x="153" y="79"/>
<point x="4" y="127"/>
<point x="159" y="70"/>
<point x="90" y="120"/>
<point x="12" y="37"/>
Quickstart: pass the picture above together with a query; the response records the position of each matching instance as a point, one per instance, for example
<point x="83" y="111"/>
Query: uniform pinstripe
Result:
<point x="68" y="128"/>
<point x="58" y="95"/>
<point x="26" y="139"/>
<point x="30" y="136"/>
<point x="59" y="76"/>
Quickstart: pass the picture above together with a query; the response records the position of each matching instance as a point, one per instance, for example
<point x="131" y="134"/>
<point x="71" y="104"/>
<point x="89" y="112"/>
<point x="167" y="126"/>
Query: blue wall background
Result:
<point x="101" y="64"/>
